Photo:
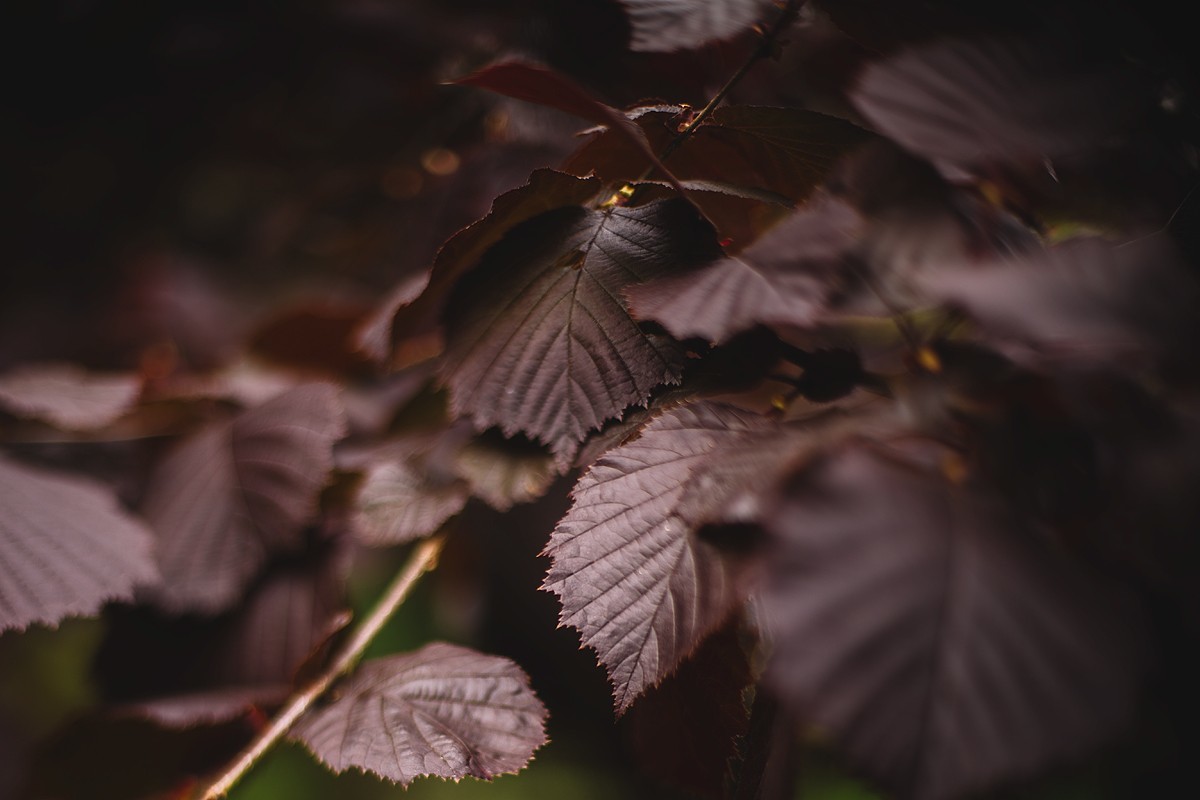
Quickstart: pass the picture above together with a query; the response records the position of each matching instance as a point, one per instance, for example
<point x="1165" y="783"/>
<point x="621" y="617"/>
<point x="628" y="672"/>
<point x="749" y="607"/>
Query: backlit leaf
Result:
<point x="633" y="577"/>
<point x="66" y="547"/>
<point x="945" y="646"/>
<point x="443" y="710"/>
<point x="540" y="341"/>
<point x="236" y="491"/>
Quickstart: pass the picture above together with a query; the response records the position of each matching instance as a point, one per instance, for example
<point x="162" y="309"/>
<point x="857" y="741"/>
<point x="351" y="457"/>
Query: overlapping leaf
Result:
<point x="786" y="277"/>
<point x="68" y="396"/>
<point x="400" y="501"/>
<point x="66" y="547"/>
<point x="985" y="101"/>
<point x="786" y="151"/>
<point x="682" y="24"/>
<point x="632" y="575"/>
<point x="238" y="490"/>
<point x="540" y="341"/>
<point x="944" y="646"/>
<point x="409" y="317"/>
<point x="443" y="710"/>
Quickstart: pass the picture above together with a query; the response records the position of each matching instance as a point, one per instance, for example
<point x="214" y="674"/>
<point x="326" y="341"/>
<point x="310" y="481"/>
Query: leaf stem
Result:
<point x="423" y="559"/>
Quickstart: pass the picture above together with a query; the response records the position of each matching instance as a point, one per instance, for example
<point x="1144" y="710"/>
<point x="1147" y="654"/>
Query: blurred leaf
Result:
<point x="944" y="646"/>
<point x="68" y="396"/>
<point x="236" y="491"/>
<point x="66" y="547"/>
<point x="681" y="24"/>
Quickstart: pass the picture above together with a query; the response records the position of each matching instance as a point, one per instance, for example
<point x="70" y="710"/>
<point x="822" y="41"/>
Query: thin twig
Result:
<point x="423" y="559"/>
<point x="766" y="47"/>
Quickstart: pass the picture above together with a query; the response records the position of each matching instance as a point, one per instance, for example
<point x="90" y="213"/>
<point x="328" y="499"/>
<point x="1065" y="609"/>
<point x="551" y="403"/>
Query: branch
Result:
<point x="423" y="559"/>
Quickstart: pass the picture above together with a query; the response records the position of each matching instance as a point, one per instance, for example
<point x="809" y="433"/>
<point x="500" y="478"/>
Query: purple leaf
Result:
<point x="632" y="576"/>
<point x="786" y="277"/>
<point x="943" y="645"/>
<point x="1013" y="101"/>
<point x="236" y="491"/>
<point x="443" y="710"/>
<point x="66" y="547"/>
<point x="540" y="341"/>
<point x="505" y="472"/>
<point x="683" y="24"/>
<point x="68" y="396"/>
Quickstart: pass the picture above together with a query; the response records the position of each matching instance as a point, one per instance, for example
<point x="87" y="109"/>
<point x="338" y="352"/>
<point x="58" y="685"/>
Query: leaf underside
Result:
<point x="443" y="711"/>
<point x="66" y="547"/>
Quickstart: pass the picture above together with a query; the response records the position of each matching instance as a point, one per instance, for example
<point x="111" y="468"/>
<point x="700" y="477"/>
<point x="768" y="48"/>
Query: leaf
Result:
<point x="236" y="491"/>
<point x="787" y="277"/>
<point x="681" y="24"/>
<point x="443" y="710"/>
<point x="538" y="84"/>
<point x="633" y="577"/>
<point x="1086" y="300"/>
<point x="539" y="340"/>
<point x="986" y="101"/>
<point x="786" y="151"/>
<point x="68" y="396"/>
<point x="411" y="314"/>
<point x="399" y="502"/>
<point x="690" y="743"/>
<point x="66" y="547"/>
<point x="944" y="645"/>
<point x="505" y="472"/>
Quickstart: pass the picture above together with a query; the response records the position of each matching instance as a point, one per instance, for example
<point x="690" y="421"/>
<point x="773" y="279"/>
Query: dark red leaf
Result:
<point x="442" y="710"/>
<point x="66" y="547"/>
<point x="236" y="491"/>
<point x="538" y="84"/>
<point x="785" y="151"/>
<point x="540" y="341"/>
<point x="786" y="277"/>
<point x="683" y="24"/>
<point x="400" y="501"/>
<point x="942" y="643"/>
<point x="685" y="730"/>
<point x="633" y="577"/>
<point x="68" y="396"/>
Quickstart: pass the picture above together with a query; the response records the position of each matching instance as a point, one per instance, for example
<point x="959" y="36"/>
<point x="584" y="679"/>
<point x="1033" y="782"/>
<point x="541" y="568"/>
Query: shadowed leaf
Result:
<point x="409" y="318"/>
<point x="785" y="151"/>
<point x="945" y="646"/>
<point x="690" y="743"/>
<point x="68" y="396"/>
<point x="540" y="341"/>
<point x="236" y="491"/>
<point x="400" y="501"/>
<point x="632" y="576"/>
<point x="443" y="710"/>
<point x="66" y="547"/>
